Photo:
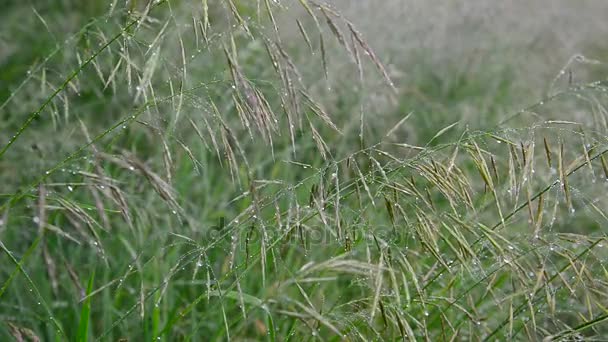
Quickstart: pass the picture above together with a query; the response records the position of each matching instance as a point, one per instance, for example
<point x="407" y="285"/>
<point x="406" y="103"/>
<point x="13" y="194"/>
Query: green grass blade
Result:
<point x="85" y="313"/>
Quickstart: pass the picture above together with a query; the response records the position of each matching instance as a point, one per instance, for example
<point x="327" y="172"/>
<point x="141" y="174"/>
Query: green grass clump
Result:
<point x="256" y="170"/>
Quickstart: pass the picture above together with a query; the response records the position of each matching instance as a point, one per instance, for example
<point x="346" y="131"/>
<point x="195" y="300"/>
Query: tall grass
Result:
<point x="256" y="170"/>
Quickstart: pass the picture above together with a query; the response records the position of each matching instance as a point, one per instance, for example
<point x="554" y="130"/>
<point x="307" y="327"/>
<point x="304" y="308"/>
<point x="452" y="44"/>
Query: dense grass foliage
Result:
<point x="274" y="170"/>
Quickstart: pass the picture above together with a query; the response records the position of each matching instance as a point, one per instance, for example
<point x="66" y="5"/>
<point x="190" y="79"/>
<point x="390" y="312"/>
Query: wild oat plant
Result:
<point x="253" y="170"/>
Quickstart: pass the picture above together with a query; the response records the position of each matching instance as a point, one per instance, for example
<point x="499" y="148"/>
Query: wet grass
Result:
<point x="235" y="170"/>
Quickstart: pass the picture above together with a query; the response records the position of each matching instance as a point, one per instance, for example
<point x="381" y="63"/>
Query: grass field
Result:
<point x="303" y="170"/>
